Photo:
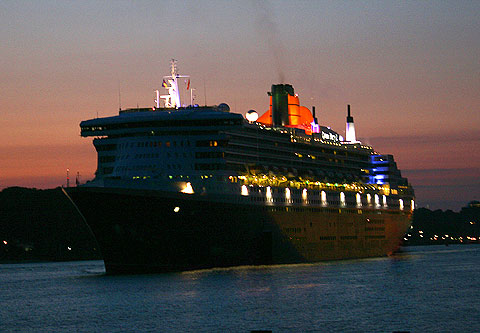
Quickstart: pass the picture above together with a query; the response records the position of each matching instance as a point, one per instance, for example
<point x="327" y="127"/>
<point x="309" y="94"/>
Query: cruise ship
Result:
<point x="185" y="187"/>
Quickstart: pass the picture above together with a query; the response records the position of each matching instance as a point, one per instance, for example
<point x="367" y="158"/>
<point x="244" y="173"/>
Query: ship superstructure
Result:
<point x="186" y="187"/>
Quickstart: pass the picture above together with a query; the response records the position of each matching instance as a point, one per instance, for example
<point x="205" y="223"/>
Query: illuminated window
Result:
<point x="323" y="196"/>
<point x="359" y="200"/>
<point x="268" y="194"/>
<point x="244" y="191"/>
<point x="342" y="199"/>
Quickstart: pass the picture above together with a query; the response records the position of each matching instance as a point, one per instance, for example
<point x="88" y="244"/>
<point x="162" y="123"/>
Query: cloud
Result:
<point x="428" y="138"/>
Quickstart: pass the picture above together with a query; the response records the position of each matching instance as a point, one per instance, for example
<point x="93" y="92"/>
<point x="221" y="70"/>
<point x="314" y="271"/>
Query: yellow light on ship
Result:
<point x="400" y="202"/>
<point x="244" y="190"/>
<point x="342" y="199"/>
<point x="369" y="199"/>
<point x="377" y="201"/>
<point x="188" y="189"/>
<point x="323" y="197"/>
<point x="359" y="200"/>
<point x="304" y="194"/>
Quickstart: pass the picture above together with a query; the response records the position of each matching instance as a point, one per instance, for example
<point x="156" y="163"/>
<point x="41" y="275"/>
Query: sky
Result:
<point x="409" y="69"/>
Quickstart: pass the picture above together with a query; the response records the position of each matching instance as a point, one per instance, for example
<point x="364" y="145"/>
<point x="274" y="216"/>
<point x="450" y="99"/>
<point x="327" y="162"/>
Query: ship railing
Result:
<point x="266" y="180"/>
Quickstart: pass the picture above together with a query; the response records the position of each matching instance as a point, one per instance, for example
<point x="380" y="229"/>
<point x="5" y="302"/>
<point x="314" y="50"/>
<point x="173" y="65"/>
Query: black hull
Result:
<point x="151" y="231"/>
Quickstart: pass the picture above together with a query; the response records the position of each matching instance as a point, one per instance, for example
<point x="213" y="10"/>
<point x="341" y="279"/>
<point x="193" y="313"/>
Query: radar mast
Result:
<point x="172" y="100"/>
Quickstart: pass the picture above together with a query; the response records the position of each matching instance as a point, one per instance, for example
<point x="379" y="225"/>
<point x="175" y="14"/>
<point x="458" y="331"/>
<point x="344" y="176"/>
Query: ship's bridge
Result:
<point x="129" y="122"/>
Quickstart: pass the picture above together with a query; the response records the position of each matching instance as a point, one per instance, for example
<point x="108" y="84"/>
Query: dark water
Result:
<point x="434" y="289"/>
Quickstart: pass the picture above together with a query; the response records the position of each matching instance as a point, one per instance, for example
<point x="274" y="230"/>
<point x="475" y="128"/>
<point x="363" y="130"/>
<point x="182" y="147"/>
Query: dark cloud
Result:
<point x="434" y="138"/>
<point x="268" y="31"/>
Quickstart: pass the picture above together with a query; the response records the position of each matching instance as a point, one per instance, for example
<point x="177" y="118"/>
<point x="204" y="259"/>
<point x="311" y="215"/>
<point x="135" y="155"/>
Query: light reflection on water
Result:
<point x="422" y="289"/>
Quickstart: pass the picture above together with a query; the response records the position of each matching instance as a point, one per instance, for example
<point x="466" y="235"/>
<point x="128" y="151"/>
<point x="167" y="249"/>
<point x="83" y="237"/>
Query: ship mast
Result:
<point x="172" y="100"/>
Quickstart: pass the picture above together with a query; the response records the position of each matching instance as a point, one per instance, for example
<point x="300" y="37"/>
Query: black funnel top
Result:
<point x="279" y="95"/>
<point x="349" y="117"/>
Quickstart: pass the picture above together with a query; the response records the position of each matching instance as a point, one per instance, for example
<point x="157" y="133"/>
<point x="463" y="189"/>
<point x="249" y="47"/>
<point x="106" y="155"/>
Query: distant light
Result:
<point x="188" y="189"/>
<point x="377" y="201"/>
<point x="69" y="248"/>
<point x="384" y="200"/>
<point x="304" y="194"/>
<point x="323" y="196"/>
<point x="369" y="198"/>
<point x="176" y="209"/>
<point x="5" y="242"/>
<point x="400" y="201"/>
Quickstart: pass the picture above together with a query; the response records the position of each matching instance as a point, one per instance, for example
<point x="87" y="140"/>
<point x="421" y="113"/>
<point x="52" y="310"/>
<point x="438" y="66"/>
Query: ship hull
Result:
<point x="146" y="231"/>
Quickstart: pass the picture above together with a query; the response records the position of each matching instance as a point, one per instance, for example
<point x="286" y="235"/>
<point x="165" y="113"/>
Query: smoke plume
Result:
<point x="267" y="28"/>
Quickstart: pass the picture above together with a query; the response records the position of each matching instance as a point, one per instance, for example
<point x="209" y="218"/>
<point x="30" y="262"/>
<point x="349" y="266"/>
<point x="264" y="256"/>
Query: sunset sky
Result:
<point x="409" y="69"/>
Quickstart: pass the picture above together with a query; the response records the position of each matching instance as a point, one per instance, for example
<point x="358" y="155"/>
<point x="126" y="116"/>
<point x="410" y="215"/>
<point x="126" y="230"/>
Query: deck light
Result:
<point x="188" y="189"/>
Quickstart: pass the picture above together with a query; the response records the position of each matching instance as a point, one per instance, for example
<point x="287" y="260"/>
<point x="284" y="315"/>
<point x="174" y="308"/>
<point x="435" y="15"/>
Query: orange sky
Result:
<point x="410" y="70"/>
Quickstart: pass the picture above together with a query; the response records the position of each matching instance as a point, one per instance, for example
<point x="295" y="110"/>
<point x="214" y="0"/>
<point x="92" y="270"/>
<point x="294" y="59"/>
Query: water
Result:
<point x="424" y="289"/>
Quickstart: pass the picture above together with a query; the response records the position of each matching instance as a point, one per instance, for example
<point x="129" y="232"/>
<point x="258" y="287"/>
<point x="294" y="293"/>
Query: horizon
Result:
<point x="409" y="70"/>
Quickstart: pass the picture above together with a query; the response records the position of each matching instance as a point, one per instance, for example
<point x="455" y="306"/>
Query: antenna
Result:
<point x="157" y="99"/>
<point x="119" y="97"/>
<point x="205" y="91"/>
<point x="68" y="178"/>
<point x="172" y="100"/>
<point x="192" y="96"/>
